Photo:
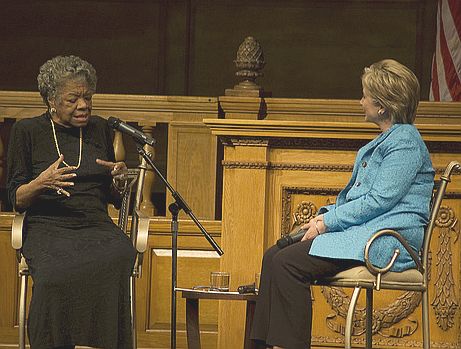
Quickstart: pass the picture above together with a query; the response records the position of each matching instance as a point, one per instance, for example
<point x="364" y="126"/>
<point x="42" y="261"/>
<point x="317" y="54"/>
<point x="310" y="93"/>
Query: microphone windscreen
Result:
<point x="295" y="236"/>
<point x="113" y="122"/>
<point x="284" y="242"/>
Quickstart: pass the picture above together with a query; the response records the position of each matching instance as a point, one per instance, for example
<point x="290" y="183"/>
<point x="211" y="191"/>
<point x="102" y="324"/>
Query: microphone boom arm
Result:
<point x="179" y="200"/>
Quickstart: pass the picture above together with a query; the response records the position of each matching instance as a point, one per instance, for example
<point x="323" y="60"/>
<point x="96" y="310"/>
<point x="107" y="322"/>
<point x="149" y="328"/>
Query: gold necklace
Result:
<point x="59" y="151"/>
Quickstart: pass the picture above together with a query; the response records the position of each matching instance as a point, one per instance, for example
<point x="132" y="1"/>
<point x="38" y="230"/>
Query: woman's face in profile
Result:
<point x="73" y="104"/>
<point x="370" y="108"/>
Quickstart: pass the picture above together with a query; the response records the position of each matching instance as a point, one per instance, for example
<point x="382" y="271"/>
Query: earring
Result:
<point x="381" y="112"/>
<point x="52" y="110"/>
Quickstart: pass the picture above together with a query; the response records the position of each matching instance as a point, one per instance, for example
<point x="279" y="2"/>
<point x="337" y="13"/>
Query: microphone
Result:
<point x="130" y="130"/>
<point x="294" y="236"/>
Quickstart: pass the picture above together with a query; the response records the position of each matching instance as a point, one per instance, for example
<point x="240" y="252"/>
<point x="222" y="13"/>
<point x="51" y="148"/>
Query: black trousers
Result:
<point x="283" y="315"/>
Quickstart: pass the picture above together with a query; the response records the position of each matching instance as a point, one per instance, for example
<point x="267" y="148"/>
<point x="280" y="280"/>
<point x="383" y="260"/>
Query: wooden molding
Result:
<point x="347" y="107"/>
<point x="136" y="108"/>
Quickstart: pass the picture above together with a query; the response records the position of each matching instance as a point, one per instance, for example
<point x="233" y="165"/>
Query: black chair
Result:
<point x="139" y="234"/>
<point x="372" y="278"/>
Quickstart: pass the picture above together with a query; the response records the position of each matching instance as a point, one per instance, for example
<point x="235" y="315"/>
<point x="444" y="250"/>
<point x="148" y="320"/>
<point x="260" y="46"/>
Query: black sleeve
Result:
<point x="109" y="136"/>
<point x="19" y="161"/>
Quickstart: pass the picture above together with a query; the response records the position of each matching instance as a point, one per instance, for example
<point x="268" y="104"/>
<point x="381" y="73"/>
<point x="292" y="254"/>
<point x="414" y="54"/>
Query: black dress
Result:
<point x="79" y="260"/>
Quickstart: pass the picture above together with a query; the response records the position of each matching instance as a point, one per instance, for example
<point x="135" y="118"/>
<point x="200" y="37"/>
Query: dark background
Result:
<point x="313" y="49"/>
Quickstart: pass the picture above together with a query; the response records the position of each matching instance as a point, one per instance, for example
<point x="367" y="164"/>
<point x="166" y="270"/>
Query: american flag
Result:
<point x="446" y="63"/>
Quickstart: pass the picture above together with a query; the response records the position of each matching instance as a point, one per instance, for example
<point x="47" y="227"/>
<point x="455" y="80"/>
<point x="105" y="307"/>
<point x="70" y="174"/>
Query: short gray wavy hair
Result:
<point x="60" y="69"/>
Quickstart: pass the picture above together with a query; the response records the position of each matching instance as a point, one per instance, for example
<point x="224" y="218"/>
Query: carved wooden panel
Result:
<point x="396" y="315"/>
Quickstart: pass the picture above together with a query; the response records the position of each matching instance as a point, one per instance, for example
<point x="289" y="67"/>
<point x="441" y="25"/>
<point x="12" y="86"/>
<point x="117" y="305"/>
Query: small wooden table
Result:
<point x="192" y="314"/>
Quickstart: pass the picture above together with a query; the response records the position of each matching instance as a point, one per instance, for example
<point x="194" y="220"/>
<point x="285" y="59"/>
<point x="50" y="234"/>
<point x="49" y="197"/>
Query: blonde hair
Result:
<point x="395" y="88"/>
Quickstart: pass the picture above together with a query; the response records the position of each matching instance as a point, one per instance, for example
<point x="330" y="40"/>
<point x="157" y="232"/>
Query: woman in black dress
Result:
<point x="61" y="167"/>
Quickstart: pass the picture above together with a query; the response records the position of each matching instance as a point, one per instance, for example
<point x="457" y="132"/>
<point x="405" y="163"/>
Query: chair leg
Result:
<point x="133" y="310"/>
<point x="426" y="335"/>
<point x="350" y="318"/>
<point x="22" y="311"/>
<point x="369" y="319"/>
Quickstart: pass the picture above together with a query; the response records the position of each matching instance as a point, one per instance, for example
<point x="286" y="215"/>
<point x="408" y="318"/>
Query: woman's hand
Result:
<point x="118" y="171"/>
<point x="116" y="168"/>
<point x="56" y="178"/>
<point x="313" y="228"/>
<point x="53" y="177"/>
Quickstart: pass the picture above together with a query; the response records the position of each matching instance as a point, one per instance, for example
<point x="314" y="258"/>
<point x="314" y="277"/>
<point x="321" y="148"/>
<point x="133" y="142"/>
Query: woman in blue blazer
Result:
<point x="390" y="188"/>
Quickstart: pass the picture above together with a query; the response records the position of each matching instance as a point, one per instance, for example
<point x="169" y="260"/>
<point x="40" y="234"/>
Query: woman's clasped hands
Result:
<point x="313" y="228"/>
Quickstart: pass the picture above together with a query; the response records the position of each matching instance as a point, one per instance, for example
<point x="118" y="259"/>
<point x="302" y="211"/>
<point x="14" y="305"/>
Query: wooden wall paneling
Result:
<point x="194" y="268"/>
<point x="4" y="135"/>
<point x="303" y="180"/>
<point x="445" y="277"/>
<point x="341" y="110"/>
<point x="291" y="171"/>
<point x="195" y="262"/>
<point x="244" y="202"/>
<point x="192" y="156"/>
<point x="143" y="109"/>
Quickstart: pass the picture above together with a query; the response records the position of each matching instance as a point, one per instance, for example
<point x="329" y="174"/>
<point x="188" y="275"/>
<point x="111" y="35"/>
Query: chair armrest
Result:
<point x="390" y="232"/>
<point x="16" y="230"/>
<point x="379" y="271"/>
<point x="142" y="235"/>
<point x="452" y="166"/>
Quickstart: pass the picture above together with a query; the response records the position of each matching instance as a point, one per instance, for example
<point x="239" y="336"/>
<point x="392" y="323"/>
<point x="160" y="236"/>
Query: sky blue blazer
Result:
<point x="390" y="188"/>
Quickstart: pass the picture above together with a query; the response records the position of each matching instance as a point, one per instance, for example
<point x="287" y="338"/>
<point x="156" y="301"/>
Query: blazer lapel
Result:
<point x="370" y="147"/>
<point x="378" y="140"/>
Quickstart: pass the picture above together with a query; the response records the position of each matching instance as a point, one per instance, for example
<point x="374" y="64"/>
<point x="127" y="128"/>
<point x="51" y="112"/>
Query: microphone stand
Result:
<point x="178" y="205"/>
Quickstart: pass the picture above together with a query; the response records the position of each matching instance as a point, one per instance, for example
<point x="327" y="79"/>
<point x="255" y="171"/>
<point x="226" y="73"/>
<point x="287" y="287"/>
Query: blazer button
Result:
<point x="364" y="164"/>
<point x="358" y="184"/>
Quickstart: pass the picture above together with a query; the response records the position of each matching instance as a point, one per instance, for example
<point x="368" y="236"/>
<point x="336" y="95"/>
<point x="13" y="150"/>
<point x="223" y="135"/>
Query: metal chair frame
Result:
<point x="139" y="232"/>
<point x="373" y="279"/>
